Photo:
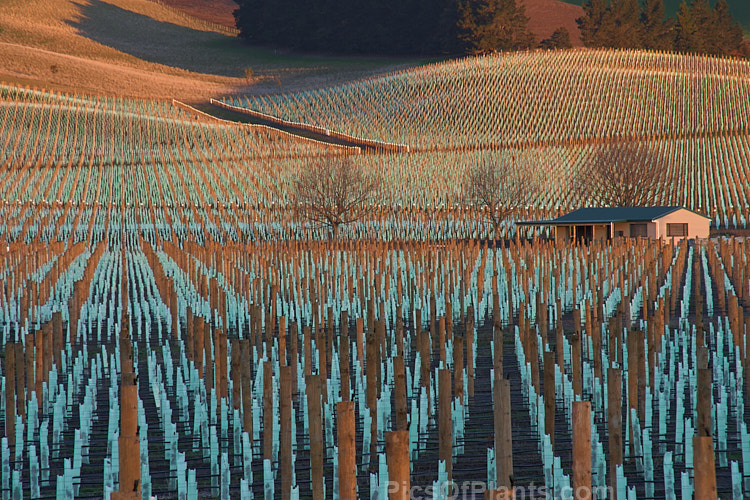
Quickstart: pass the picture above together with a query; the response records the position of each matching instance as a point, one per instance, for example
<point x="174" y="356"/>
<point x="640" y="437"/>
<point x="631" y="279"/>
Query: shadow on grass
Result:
<point x="212" y="53"/>
<point x="161" y="42"/>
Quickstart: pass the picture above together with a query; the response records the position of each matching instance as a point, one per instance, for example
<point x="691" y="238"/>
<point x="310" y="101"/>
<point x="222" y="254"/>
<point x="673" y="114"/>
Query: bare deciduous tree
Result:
<point x="336" y="190"/>
<point x="500" y="189"/>
<point x="624" y="175"/>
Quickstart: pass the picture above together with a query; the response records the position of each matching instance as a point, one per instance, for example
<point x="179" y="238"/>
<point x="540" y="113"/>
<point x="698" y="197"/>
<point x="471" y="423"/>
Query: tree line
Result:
<point x="408" y="27"/>
<point x="432" y="27"/>
<point x="697" y="28"/>
<point x="351" y="26"/>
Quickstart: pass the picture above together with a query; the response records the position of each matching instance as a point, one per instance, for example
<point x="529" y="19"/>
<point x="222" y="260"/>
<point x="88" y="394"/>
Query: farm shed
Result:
<point x="604" y="223"/>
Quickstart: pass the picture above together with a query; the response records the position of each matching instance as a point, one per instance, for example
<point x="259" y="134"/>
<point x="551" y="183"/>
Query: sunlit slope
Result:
<point x="530" y="99"/>
<point x="99" y="46"/>
<point x="146" y="49"/>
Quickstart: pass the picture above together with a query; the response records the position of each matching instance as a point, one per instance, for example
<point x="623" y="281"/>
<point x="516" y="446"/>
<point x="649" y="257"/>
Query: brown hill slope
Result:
<point x="213" y="11"/>
<point x="143" y="48"/>
<point x="545" y="16"/>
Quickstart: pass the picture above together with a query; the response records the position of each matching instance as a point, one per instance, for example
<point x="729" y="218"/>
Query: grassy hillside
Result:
<point x="214" y="11"/>
<point x="140" y="48"/>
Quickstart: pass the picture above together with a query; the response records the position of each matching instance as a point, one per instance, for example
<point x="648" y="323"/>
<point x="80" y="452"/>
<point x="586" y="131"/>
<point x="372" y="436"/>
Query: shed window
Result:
<point x="638" y="230"/>
<point x="679" y="230"/>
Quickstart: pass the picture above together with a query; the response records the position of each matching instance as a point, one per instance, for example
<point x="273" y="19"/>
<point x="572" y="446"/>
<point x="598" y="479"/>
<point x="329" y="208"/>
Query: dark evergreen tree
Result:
<point x="590" y="23"/>
<point x="427" y="27"/>
<point x="729" y="34"/>
<point x="494" y="25"/>
<point x="251" y="18"/>
<point x="695" y="28"/>
<point x="351" y="26"/>
<point x="621" y="26"/>
<point x="658" y="31"/>
<point x="560" y="39"/>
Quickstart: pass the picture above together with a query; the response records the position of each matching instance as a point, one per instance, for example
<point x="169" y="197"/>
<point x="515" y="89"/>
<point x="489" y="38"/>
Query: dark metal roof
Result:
<point x="607" y="215"/>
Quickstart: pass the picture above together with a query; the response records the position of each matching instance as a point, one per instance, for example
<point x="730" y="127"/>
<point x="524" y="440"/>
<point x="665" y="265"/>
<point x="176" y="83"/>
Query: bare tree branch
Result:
<point x="624" y="175"/>
<point x="501" y="190"/>
<point x="336" y="190"/>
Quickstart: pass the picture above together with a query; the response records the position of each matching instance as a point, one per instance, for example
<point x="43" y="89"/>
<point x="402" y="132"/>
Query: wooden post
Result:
<point x="445" y="420"/>
<point x="399" y="377"/>
<point x="307" y="349"/>
<point x="360" y="325"/>
<point x="458" y="368"/>
<point x="47" y="351"/>
<point x="247" y="392"/>
<point x="397" y="456"/>
<point x="316" y="435"/>
<point x="399" y="331"/>
<point x="533" y="357"/>
<point x="503" y="435"/>
<point x="549" y="395"/>
<point x="614" y="423"/>
<point x="285" y="443"/>
<point x="344" y="357"/>
<point x="423" y="344"/>
<point x="29" y="359"/>
<point x="704" y="467"/>
<point x="703" y="423"/>
<point x="576" y="362"/>
<point x="57" y="338"/>
<point x="632" y="381"/>
<point x="236" y="375"/>
<point x="20" y="381"/>
<point x="596" y="332"/>
<point x="282" y="341"/>
<point x="220" y="355"/>
<point x="198" y="344"/>
<point x="347" y="450"/>
<point x="322" y="362"/>
<point x="582" y="450"/>
<point x="294" y="356"/>
<point x="379" y="349"/>
<point x="497" y="340"/>
<point x="130" y="457"/>
<point x="441" y="342"/>
<point x="208" y="372"/>
<point x="639" y="340"/>
<point x="372" y="389"/>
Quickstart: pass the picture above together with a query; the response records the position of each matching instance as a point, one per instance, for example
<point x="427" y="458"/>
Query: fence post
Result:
<point x="397" y="455"/>
<point x="347" y="450"/>
<point x="582" y="450"/>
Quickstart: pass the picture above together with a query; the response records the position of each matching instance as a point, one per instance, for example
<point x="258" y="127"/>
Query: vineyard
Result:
<point x="252" y="360"/>
<point x="531" y="98"/>
<point x="169" y="323"/>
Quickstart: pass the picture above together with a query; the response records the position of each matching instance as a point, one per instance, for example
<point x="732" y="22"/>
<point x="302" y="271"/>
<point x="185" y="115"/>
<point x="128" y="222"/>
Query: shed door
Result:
<point x="638" y="230"/>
